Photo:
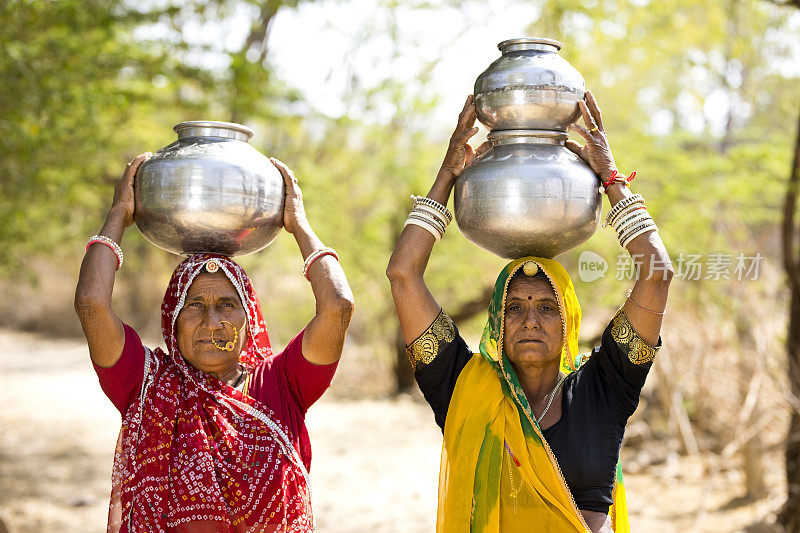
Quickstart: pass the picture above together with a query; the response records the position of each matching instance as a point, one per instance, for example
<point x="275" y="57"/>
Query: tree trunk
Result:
<point x="256" y="41"/>
<point x="790" y="515"/>
<point x="752" y="448"/>
<point x="750" y="413"/>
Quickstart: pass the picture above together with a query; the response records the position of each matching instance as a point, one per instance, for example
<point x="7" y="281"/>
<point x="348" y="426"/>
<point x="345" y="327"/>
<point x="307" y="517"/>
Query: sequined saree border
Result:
<point x="637" y="350"/>
<point x="439" y="334"/>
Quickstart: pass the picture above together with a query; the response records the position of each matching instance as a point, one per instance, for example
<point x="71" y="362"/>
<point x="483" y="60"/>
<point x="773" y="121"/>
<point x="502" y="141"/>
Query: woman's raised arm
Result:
<point x="103" y="330"/>
<point x="648" y="299"/>
<point x="416" y="306"/>
<point x="323" y="339"/>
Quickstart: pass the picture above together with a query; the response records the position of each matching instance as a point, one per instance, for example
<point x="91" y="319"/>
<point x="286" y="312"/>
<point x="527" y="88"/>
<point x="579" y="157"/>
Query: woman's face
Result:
<point x="211" y="299"/>
<point x="533" y="334"/>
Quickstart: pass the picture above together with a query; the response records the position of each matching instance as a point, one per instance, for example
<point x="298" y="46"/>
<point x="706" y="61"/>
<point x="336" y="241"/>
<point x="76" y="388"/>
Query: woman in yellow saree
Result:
<point x="532" y="429"/>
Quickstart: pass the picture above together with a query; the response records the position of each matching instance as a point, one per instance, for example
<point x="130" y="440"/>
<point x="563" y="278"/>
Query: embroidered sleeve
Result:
<point x="637" y="350"/>
<point x="432" y="342"/>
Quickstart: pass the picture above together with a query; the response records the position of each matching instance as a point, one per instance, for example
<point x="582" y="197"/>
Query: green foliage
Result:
<point x="693" y="100"/>
<point x="88" y="85"/>
<point x="77" y="99"/>
<point x="689" y="90"/>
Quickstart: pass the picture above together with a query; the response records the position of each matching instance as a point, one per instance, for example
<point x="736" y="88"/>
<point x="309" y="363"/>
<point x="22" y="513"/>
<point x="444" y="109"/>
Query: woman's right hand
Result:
<point x="596" y="152"/>
<point x="123" y="194"/>
<point x="459" y="152"/>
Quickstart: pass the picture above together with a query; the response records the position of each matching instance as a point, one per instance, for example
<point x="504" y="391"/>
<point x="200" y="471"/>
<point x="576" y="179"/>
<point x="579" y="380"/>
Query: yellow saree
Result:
<point x="497" y="472"/>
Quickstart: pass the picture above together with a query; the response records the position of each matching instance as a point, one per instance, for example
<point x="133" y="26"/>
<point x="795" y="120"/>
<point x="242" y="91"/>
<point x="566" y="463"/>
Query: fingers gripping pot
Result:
<point x="209" y="191"/>
<point x="527" y="195"/>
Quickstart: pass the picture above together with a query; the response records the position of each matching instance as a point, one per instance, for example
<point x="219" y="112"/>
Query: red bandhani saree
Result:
<point x="196" y="455"/>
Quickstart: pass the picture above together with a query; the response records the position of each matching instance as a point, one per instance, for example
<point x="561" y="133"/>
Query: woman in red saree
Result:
<point x="213" y="436"/>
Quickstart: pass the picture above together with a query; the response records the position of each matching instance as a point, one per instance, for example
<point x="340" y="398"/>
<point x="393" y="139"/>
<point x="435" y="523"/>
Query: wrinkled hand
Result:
<point x="123" y="194"/>
<point x="596" y="151"/>
<point x="459" y="152"/>
<point x="294" y="213"/>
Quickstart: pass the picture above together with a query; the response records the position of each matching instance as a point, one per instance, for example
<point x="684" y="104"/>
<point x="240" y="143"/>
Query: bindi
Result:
<point x="530" y="297"/>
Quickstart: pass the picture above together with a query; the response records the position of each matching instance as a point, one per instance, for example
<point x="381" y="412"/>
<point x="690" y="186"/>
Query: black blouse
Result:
<point x="596" y="403"/>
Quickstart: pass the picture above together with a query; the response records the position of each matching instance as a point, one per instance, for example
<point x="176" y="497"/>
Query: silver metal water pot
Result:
<point x="527" y="195"/>
<point x="530" y="87"/>
<point x="209" y="191"/>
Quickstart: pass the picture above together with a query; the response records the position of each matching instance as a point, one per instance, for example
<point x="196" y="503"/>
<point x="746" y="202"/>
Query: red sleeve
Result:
<point x="305" y="380"/>
<point x="123" y="381"/>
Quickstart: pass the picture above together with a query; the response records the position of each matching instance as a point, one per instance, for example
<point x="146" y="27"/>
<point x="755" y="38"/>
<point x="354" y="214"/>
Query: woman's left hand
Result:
<point x="596" y="151"/>
<point x="294" y="213"/>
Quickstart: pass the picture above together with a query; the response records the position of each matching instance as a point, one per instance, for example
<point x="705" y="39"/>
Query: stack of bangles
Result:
<point x="313" y="256"/>
<point x="629" y="218"/>
<point x="429" y="215"/>
<point x="102" y="239"/>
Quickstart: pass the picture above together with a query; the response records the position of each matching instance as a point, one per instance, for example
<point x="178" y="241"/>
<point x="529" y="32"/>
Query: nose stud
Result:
<point x="228" y="347"/>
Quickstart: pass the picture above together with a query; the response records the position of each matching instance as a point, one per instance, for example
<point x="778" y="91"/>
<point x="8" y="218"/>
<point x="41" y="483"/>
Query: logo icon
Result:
<point x="591" y="266"/>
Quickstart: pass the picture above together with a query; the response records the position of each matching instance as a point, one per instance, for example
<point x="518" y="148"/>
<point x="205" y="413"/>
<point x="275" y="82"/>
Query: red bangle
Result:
<point x="316" y="255"/>
<point x="102" y="239"/>
<point x="611" y="180"/>
<point x="617" y="177"/>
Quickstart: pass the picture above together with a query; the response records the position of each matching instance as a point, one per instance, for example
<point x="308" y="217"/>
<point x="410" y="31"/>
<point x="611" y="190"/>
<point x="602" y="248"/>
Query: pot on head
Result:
<point x="527" y="195"/>
<point x="209" y="191"/>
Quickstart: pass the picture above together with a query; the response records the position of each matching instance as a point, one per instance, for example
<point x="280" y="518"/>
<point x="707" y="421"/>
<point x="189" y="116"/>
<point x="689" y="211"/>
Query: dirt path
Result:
<point x="375" y="461"/>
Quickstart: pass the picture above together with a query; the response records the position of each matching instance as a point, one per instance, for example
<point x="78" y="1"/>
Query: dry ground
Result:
<point x="375" y="461"/>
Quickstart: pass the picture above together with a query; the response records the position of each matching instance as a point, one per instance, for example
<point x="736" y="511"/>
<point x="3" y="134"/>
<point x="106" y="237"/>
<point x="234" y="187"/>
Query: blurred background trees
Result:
<point x="700" y="97"/>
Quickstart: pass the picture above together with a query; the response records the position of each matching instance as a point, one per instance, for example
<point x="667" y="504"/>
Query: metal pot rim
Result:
<point x="521" y="136"/>
<point x="213" y="128"/>
<point x="529" y="43"/>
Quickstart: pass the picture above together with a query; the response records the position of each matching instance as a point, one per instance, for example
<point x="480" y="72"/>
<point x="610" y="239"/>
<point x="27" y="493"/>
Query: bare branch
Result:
<point x="259" y="34"/>
<point x="795" y="3"/>
<point x="471" y="308"/>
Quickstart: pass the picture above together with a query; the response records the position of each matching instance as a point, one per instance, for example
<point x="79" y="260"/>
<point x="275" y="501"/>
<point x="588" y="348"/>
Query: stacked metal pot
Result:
<point x="528" y="194"/>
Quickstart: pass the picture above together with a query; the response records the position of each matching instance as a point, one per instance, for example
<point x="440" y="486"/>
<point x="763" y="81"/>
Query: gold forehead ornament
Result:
<point x="530" y="268"/>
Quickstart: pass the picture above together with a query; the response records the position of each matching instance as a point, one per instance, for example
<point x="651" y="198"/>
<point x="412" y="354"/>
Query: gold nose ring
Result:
<point x="230" y="344"/>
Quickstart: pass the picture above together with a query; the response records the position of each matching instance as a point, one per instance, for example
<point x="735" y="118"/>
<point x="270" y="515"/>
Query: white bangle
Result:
<point x="632" y="223"/>
<point x="424" y="225"/>
<point x="424" y="208"/>
<point x="629" y="238"/>
<point x="102" y="239"/>
<point x="433" y="221"/>
<point x="627" y="212"/>
<point x="313" y="256"/>
<point x="623" y="234"/>
<point x="424" y="200"/>
<point x="621" y="205"/>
